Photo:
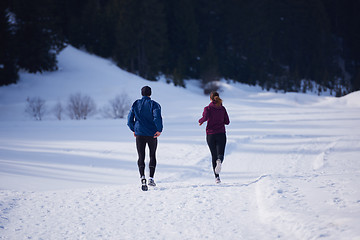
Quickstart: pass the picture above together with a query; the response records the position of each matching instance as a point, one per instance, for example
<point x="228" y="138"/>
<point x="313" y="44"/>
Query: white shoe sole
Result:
<point x="218" y="166"/>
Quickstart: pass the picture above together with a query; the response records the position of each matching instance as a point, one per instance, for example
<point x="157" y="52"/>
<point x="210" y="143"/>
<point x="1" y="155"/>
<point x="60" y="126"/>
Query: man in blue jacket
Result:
<point x="145" y="121"/>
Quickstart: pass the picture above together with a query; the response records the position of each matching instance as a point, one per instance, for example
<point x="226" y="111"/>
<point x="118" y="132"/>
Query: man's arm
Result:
<point x="157" y="118"/>
<point x="131" y="120"/>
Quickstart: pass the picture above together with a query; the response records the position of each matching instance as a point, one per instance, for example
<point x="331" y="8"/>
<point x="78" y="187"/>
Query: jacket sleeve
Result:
<point x="205" y="116"/>
<point x="226" y="118"/>
<point x="131" y="119"/>
<point x="157" y="117"/>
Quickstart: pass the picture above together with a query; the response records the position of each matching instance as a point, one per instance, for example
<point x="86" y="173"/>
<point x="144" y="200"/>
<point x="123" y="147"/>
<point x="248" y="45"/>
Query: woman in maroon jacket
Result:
<point x="216" y="116"/>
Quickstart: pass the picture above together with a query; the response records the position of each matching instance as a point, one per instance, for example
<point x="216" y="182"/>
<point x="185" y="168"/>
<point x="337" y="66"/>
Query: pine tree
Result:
<point x="31" y="37"/>
<point x="209" y="65"/>
<point x="182" y="31"/>
<point x="72" y="23"/>
<point x="36" y="25"/>
<point x="8" y="67"/>
<point x="140" y="38"/>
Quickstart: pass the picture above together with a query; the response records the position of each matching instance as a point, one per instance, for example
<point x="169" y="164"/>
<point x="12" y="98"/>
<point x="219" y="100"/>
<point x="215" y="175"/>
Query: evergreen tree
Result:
<point x="182" y="31"/>
<point x="30" y="37"/>
<point x="8" y="68"/>
<point x="345" y="24"/>
<point x="97" y="27"/>
<point x="141" y="37"/>
<point x="236" y="65"/>
<point x="210" y="18"/>
<point x="209" y="65"/>
<point x="72" y="21"/>
<point x="35" y="25"/>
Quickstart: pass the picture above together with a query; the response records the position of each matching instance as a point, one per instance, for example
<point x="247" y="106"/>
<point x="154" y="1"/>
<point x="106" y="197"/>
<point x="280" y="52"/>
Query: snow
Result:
<point x="291" y="169"/>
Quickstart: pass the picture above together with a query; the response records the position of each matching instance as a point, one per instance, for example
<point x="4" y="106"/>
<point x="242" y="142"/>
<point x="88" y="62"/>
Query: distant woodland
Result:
<point x="285" y="45"/>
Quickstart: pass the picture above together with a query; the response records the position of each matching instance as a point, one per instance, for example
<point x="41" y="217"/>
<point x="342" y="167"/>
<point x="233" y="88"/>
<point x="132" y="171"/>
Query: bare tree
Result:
<point x="58" y="110"/>
<point x="80" y="107"/>
<point x="35" y="107"/>
<point x="117" y="107"/>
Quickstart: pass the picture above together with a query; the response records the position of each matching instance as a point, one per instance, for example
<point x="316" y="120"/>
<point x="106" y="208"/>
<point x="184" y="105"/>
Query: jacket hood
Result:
<point x="213" y="105"/>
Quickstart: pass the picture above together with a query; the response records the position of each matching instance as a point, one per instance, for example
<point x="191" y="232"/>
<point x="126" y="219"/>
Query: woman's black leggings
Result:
<point x="140" y="145"/>
<point x="217" y="143"/>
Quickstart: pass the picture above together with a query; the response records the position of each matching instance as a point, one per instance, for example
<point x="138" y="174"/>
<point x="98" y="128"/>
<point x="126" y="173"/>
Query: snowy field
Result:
<point x="291" y="169"/>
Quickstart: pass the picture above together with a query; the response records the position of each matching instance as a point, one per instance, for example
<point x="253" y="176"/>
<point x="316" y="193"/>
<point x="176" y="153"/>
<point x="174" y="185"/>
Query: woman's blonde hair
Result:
<point x="214" y="96"/>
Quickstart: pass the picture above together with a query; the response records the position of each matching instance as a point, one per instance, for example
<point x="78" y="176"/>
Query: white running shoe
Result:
<point x="217" y="180"/>
<point x="151" y="182"/>
<point x="218" y="166"/>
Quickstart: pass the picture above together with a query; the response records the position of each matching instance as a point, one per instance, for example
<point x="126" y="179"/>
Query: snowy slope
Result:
<point x="291" y="169"/>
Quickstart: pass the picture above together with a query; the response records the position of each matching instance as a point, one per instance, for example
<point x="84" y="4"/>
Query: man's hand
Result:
<point x="134" y="134"/>
<point x="157" y="134"/>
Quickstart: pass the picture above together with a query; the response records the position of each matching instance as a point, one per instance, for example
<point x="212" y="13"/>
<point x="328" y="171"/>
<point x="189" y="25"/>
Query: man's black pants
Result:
<point x="141" y="142"/>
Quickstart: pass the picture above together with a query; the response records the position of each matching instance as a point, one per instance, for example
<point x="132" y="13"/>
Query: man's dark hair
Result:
<point x="146" y="91"/>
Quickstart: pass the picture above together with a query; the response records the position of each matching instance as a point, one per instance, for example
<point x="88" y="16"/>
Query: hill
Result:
<point x="291" y="168"/>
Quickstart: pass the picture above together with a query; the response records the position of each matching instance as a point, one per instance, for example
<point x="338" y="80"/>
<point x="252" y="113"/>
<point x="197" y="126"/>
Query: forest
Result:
<point x="288" y="45"/>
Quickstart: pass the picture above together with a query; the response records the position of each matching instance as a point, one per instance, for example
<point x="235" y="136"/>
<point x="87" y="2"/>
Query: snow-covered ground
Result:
<point x="291" y="169"/>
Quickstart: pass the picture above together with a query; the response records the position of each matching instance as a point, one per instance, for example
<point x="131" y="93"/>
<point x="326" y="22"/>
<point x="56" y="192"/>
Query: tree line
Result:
<point x="282" y="45"/>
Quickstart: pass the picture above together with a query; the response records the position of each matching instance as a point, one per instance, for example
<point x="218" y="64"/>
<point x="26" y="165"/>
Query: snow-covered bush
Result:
<point x="58" y="110"/>
<point x="211" y="86"/>
<point x="117" y="107"/>
<point x="80" y="106"/>
<point x="35" y="107"/>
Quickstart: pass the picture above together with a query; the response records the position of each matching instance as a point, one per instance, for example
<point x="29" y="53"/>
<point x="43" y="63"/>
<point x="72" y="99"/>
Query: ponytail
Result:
<point x="214" y="96"/>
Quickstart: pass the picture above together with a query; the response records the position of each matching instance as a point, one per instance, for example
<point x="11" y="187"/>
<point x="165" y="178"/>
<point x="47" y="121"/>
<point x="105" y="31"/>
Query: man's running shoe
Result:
<point x="144" y="187"/>
<point x="152" y="182"/>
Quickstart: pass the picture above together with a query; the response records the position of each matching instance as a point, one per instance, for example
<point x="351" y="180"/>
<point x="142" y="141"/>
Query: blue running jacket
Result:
<point x="145" y="117"/>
